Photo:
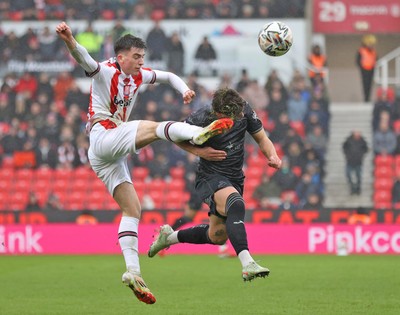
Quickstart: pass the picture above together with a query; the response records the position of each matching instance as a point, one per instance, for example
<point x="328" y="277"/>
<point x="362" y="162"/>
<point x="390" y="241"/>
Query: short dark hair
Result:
<point x="228" y="102"/>
<point x="127" y="42"/>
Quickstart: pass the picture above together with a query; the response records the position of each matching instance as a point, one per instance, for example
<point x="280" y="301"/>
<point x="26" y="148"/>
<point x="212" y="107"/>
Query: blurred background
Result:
<point x="332" y="117"/>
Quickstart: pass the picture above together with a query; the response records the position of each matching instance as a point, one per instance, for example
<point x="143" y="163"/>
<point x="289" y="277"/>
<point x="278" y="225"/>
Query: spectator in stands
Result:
<point x="86" y="217"/>
<point x="91" y="40"/>
<point x="205" y="58"/>
<point x="281" y="128"/>
<point x="366" y="59"/>
<point x="305" y="187"/>
<point x="176" y="55"/>
<point x="294" y="154"/>
<point x="48" y="44"/>
<point x="267" y="193"/>
<point x="157" y="42"/>
<point x="297" y="106"/>
<point x="396" y="192"/>
<point x="256" y="95"/>
<point x="384" y="139"/>
<point x="285" y="177"/>
<point x="383" y="106"/>
<point x="354" y="148"/>
<point x="33" y="203"/>
<point x="318" y="140"/>
<point x="317" y="64"/>
<point x="159" y="167"/>
<point x="53" y="203"/>
<point x="313" y="202"/>
<point x="243" y="81"/>
<point x="277" y="104"/>
<point x="46" y="154"/>
<point x="288" y="201"/>
<point x="62" y="84"/>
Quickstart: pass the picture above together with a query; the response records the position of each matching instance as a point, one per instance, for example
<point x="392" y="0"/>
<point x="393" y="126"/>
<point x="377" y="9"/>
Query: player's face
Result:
<point x="131" y="60"/>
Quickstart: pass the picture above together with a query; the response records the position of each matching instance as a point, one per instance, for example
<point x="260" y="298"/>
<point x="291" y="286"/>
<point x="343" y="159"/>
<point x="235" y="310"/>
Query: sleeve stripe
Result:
<point x="94" y="72"/>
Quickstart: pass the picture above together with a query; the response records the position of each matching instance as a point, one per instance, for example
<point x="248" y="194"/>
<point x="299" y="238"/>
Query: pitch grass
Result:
<point x="75" y="285"/>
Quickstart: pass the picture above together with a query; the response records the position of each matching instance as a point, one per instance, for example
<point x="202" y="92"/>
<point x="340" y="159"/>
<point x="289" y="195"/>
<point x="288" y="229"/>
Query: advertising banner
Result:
<point x="356" y="16"/>
<point x="263" y="239"/>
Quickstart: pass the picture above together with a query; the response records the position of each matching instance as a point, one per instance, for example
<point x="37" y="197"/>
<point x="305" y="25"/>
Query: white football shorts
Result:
<point x="108" y="152"/>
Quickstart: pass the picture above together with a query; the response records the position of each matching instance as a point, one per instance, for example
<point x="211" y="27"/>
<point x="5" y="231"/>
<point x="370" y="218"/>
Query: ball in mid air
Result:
<point x="275" y="38"/>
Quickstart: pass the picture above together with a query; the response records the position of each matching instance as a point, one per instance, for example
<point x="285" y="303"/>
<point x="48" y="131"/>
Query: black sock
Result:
<point x="195" y="235"/>
<point x="235" y="222"/>
<point x="181" y="221"/>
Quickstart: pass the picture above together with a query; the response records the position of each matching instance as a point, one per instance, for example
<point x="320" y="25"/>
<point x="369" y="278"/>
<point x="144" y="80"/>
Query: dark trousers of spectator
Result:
<point x="367" y="77"/>
<point x="353" y="174"/>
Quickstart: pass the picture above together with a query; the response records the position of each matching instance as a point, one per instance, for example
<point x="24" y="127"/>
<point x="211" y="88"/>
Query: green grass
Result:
<point x="75" y="285"/>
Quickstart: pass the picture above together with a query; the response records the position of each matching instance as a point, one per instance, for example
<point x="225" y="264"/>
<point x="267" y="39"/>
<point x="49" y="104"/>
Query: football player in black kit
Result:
<point x="220" y="183"/>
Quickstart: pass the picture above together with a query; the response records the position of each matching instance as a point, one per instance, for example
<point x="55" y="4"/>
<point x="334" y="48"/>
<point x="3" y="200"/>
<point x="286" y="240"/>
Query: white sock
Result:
<point x="176" y="131"/>
<point x="245" y="258"/>
<point x="173" y="238"/>
<point x="129" y="243"/>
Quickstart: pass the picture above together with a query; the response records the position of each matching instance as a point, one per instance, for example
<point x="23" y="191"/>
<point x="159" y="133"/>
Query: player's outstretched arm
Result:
<point x="65" y="33"/>
<point x="77" y="51"/>
<point x="206" y="153"/>
<point x="177" y="83"/>
<point x="268" y="149"/>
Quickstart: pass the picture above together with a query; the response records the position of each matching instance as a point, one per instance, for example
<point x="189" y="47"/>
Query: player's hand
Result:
<point x="188" y="96"/>
<point x="275" y="162"/>
<point x="64" y="31"/>
<point x="211" y="154"/>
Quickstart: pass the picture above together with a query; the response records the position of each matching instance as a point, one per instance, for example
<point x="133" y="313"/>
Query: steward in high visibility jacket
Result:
<point x="317" y="62"/>
<point x="366" y="61"/>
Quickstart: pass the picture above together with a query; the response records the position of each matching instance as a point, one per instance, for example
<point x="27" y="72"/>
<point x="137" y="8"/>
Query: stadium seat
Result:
<point x="396" y="206"/>
<point x="382" y="205"/>
<point x="298" y="127"/>
<point x="383" y="183"/>
<point x="4" y="197"/>
<point x="383" y="172"/>
<point x="251" y="185"/>
<point x="140" y="173"/>
<point x="382" y="195"/>
<point x="178" y="185"/>
<point x="83" y="173"/>
<point x="24" y="174"/>
<point x="157" y="185"/>
<point x="61" y="185"/>
<point x="384" y="160"/>
<point x="254" y="172"/>
<point x="44" y="174"/>
<point x="63" y="174"/>
<point x="396" y="126"/>
<point x="177" y="172"/>
<point x="7" y="173"/>
<point x="157" y="197"/>
<point x="22" y="185"/>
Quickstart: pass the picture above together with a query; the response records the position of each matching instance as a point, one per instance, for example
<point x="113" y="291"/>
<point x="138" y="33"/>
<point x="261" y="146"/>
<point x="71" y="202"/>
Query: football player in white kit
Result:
<point x="115" y="83"/>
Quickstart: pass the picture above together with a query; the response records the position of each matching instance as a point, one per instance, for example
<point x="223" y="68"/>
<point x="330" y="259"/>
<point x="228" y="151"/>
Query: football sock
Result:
<point x="195" y="235"/>
<point x="181" y="221"/>
<point x="128" y="241"/>
<point x="245" y="257"/>
<point x="235" y="222"/>
<point x="176" y="131"/>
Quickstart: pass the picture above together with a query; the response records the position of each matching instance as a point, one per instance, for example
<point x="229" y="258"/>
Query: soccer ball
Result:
<point x="275" y="39"/>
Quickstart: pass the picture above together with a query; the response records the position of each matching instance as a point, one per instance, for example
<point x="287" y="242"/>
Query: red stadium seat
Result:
<point x="384" y="160"/>
<point x="382" y="195"/>
<point x="383" y="183"/>
<point x="396" y="126"/>
<point x="177" y="172"/>
<point x="298" y="127"/>
<point x="83" y="173"/>
<point x="382" y="205"/>
<point x="140" y="173"/>
<point x="178" y="185"/>
<point x="383" y="172"/>
<point x="157" y="185"/>
<point x="24" y="174"/>
<point x="254" y="172"/>
<point x="44" y="174"/>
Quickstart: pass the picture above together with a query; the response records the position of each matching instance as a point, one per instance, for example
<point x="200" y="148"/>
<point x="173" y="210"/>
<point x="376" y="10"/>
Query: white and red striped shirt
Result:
<point x="113" y="93"/>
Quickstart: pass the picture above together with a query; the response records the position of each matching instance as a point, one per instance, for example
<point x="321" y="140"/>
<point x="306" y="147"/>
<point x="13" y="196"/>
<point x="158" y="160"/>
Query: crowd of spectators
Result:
<point x="386" y="140"/>
<point x="140" y="10"/>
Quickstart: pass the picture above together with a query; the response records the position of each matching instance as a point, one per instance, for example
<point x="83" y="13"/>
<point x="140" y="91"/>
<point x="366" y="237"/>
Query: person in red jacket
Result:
<point x="366" y="61"/>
